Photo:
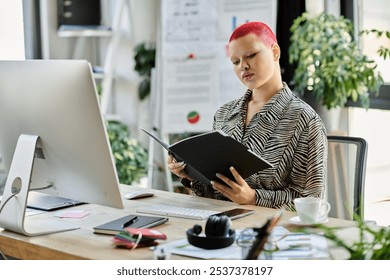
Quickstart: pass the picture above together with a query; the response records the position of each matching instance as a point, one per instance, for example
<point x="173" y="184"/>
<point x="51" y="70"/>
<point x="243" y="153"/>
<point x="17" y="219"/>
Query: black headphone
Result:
<point x="217" y="231"/>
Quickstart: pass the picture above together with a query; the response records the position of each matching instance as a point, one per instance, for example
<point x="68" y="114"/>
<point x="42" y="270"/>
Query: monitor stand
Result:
<point x="14" y="201"/>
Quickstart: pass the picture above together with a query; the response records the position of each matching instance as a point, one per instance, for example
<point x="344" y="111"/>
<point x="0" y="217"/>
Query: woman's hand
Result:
<point x="177" y="168"/>
<point x="239" y="191"/>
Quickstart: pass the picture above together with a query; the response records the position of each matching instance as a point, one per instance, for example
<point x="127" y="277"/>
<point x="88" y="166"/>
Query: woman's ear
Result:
<point x="276" y="51"/>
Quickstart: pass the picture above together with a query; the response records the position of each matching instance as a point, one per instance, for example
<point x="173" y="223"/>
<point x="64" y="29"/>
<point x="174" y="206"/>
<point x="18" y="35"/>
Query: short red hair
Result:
<point x="260" y="29"/>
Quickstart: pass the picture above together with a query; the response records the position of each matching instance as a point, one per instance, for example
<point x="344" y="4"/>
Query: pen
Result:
<point x="258" y="244"/>
<point x="129" y="222"/>
<point x="262" y="236"/>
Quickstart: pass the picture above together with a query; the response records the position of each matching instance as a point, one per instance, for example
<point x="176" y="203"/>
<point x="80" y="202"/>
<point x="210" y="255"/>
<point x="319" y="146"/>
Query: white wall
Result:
<point x="11" y="30"/>
<point x="12" y="42"/>
<point x="137" y="25"/>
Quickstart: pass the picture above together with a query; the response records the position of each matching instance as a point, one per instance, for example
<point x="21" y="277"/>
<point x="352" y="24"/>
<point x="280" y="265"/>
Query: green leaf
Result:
<point x="144" y="89"/>
<point x="372" y="243"/>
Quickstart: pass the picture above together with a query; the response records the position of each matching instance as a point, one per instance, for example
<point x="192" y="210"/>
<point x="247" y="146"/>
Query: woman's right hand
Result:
<point x="177" y="168"/>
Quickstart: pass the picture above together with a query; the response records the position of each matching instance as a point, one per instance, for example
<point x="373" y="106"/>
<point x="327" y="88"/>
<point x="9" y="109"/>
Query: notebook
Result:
<point x="46" y="202"/>
<point x="132" y="221"/>
<point x="214" y="152"/>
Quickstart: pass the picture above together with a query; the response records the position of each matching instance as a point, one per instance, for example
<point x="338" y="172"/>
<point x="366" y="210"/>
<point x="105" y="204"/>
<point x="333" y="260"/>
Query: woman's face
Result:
<point x="254" y="63"/>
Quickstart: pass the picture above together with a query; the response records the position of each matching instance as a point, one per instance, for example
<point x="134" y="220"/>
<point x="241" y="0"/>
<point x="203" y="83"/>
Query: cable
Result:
<point x="43" y="188"/>
<point x="5" y="202"/>
<point x="2" y="206"/>
<point x="3" y="255"/>
<point x="14" y="194"/>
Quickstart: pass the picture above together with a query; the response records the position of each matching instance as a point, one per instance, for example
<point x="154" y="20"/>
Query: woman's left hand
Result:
<point x="239" y="191"/>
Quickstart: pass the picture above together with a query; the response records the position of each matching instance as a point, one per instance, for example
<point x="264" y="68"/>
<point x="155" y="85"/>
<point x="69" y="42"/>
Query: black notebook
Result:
<point x="214" y="152"/>
<point x="133" y="221"/>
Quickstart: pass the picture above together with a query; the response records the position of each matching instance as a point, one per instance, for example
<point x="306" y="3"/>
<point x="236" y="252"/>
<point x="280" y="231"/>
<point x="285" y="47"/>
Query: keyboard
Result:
<point x="176" y="211"/>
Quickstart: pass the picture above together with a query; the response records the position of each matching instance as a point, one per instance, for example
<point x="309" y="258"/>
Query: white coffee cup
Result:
<point x="311" y="209"/>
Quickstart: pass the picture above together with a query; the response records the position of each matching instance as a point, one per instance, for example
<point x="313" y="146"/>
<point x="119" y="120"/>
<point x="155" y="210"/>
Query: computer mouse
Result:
<point x="139" y="194"/>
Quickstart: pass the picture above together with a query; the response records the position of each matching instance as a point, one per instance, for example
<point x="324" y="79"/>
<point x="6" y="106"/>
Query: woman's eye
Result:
<point x="251" y="55"/>
<point x="235" y="62"/>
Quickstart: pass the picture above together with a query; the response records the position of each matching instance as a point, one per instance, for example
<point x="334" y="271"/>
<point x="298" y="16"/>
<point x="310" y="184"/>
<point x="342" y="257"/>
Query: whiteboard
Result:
<point x="195" y="74"/>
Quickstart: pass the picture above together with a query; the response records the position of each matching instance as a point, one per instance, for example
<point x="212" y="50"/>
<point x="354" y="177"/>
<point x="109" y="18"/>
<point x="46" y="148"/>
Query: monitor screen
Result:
<point x="57" y="101"/>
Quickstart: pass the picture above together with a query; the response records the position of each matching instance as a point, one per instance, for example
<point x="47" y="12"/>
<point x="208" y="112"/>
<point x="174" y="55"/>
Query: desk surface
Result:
<point x="84" y="244"/>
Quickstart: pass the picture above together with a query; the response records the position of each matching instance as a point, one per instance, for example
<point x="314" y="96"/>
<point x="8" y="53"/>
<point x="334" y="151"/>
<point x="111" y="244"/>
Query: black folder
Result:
<point x="214" y="152"/>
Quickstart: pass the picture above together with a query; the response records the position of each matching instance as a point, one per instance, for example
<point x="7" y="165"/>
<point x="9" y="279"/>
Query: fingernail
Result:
<point x="231" y="168"/>
<point x="218" y="175"/>
<point x="212" y="183"/>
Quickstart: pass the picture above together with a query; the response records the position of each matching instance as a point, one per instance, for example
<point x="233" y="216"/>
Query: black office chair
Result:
<point x="347" y="157"/>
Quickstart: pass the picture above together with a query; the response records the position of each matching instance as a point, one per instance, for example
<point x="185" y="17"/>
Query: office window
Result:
<point x="367" y="123"/>
<point x="376" y="15"/>
<point x="11" y="30"/>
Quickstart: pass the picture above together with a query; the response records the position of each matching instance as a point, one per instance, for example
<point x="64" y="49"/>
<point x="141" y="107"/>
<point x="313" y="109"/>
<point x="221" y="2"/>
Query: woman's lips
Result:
<point x="247" y="76"/>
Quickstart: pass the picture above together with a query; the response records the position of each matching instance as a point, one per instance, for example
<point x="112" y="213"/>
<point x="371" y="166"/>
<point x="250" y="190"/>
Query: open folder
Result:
<point x="214" y="152"/>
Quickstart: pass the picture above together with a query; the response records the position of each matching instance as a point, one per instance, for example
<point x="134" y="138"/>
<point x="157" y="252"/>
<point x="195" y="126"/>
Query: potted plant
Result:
<point x="330" y="65"/>
<point x="372" y="242"/>
<point x="131" y="159"/>
<point x="145" y="59"/>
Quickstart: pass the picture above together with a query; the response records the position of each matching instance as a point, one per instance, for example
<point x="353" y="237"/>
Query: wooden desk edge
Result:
<point x="65" y="246"/>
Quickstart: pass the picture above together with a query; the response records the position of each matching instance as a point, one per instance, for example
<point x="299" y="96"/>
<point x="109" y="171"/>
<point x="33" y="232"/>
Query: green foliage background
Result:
<point x="330" y="65"/>
<point x="131" y="159"/>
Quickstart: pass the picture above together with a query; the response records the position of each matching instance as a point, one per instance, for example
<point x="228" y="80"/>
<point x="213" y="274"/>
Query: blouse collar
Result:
<point x="274" y="106"/>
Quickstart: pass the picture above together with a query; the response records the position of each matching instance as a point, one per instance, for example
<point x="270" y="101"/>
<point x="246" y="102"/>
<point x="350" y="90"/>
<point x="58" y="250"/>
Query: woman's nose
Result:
<point x="244" y="66"/>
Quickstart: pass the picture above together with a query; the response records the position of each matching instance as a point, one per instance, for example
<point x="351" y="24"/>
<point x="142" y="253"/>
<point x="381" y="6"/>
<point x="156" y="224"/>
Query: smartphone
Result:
<point x="236" y="213"/>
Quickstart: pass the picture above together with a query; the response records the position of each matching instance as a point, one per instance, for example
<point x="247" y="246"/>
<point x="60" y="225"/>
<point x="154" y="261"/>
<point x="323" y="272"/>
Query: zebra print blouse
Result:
<point x="290" y="135"/>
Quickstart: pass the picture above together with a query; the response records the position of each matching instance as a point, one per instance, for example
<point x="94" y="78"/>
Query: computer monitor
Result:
<point x="52" y="135"/>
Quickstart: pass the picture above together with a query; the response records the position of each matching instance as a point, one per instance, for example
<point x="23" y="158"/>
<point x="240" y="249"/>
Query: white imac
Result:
<point x="52" y="134"/>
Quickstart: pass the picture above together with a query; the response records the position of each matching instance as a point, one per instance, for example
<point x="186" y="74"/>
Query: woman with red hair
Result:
<point x="272" y="122"/>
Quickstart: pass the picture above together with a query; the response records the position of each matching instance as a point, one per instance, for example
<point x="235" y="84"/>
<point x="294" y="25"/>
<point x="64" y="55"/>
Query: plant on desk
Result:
<point x="373" y="243"/>
<point x="131" y="159"/>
